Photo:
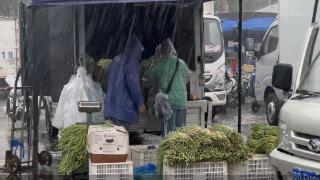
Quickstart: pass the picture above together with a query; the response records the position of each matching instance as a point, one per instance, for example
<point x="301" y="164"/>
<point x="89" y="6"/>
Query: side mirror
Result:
<point x="257" y="50"/>
<point x="250" y="44"/>
<point x="250" y="47"/>
<point x="282" y="76"/>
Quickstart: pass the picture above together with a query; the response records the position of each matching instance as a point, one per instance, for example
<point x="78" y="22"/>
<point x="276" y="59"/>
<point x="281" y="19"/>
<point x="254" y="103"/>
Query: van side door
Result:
<point x="269" y="56"/>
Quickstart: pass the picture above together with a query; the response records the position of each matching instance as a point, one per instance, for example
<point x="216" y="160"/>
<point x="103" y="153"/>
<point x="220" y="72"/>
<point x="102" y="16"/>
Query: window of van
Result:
<point x="212" y="40"/>
<point x="271" y="41"/>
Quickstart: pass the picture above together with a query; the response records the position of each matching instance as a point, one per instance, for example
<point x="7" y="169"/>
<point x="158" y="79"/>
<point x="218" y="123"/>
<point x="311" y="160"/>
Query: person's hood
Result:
<point x="167" y="49"/>
<point x="133" y="50"/>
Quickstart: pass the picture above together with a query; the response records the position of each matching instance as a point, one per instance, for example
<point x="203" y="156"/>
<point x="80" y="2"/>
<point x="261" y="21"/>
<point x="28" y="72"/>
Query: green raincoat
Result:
<point x="161" y="74"/>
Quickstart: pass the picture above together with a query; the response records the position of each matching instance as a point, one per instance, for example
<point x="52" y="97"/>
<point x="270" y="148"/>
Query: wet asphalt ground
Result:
<point x="228" y="118"/>
<point x="248" y="117"/>
<point x="44" y="144"/>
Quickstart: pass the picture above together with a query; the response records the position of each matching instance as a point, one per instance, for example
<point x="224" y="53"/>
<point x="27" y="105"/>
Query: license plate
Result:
<point x="300" y="174"/>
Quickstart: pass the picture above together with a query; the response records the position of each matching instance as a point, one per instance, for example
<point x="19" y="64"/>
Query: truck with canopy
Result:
<point x="56" y="35"/>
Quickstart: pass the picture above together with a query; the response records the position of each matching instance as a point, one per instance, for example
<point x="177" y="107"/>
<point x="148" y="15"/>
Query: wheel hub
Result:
<point x="271" y="110"/>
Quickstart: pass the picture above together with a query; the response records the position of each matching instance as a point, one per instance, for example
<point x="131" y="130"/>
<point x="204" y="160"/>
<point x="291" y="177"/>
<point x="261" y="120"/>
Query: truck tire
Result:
<point x="214" y="112"/>
<point x="243" y="98"/>
<point x="243" y="95"/>
<point x="272" y="109"/>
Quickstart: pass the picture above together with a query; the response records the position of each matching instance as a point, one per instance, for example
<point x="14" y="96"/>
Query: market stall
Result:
<point x="58" y="35"/>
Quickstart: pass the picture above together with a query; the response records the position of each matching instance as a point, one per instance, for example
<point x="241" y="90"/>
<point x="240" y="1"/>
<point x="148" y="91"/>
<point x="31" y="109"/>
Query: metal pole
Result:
<point x="35" y="111"/>
<point x="239" y="65"/>
<point x="89" y="119"/>
<point x="74" y="39"/>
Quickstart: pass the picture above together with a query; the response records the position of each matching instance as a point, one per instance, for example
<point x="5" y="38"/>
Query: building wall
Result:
<point x="208" y="7"/>
<point x="9" y="48"/>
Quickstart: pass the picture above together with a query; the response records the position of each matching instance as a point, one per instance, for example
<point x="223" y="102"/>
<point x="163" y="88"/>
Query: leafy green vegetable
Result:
<point x="193" y="144"/>
<point x="263" y="138"/>
<point x="104" y="63"/>
<point x="73" y="147"/>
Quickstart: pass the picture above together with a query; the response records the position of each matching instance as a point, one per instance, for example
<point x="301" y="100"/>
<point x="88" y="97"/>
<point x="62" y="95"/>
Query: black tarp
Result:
<point x="52" y="42"/>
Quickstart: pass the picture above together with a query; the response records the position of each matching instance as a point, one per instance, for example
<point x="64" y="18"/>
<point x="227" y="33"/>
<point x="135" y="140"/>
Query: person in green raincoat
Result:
<point x="160" y="76"/>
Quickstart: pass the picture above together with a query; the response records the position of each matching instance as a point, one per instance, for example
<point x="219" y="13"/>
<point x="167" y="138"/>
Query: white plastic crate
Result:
<point x="197" y="171"/>
<point x="111" y="171"/>
<point x="196" y="113"/>
<point x="258" y="167"/>
<point x="141" y="155"/>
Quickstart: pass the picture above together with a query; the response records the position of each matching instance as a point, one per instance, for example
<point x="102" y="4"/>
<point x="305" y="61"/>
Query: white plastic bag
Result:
<point x="10" y="80"/>
<point x="79" y="88"/>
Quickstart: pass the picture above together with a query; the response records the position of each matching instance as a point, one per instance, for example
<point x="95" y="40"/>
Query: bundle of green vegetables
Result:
<point x="101" y="74"/>
<point x="238" y="152"/>
<point x="193" y="144"/>
<point x="73" y="146"/>
<point x="147" y="65"/>
<point x="104" y="63"/>
<point x="263" y="138"/>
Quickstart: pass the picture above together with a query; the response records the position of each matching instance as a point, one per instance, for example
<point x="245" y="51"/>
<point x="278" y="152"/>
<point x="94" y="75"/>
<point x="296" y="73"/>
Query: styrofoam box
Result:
<point x="107" y="141"/>
<point x="258" y="167"/>
<point x="111" y="171"/>
<point x="197" y="171"/>
<point x="141" y="155"/>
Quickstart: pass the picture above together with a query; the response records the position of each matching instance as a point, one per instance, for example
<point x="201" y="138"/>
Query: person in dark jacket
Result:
<point x="124" y="99"/>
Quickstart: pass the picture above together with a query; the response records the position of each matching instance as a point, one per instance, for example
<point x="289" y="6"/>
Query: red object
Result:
<point x="234" y="66"/>
<point x="103" y="158"/>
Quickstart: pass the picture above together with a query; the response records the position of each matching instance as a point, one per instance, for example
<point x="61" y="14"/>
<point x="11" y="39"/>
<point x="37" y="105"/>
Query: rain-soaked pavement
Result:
<point x="229" y="118"/>
<point x="5" y="137"/>
<point x="248" y="117"/>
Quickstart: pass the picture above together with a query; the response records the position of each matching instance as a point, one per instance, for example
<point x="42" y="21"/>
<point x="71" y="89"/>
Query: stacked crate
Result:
<point x="258" y="167"/>
<point x="108" y="147"/>
<point x="143" y="154"/>
<point x="203" y="171"/>
<point x="111" y="171"/>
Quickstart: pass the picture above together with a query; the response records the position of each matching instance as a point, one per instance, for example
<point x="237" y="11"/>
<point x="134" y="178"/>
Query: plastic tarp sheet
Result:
<point x="57" y="38"/>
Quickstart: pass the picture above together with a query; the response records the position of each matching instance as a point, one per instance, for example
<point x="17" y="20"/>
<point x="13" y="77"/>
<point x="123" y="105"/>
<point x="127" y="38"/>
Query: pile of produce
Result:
<point x="73" y="146"/>
<point x="146" y="66"/>
<point x="193" y="144"/>
<point x="104" y="63"/>
<point x="238" y="152"/>
<point x="263" y="138"/>
<point x="101" y="73"/>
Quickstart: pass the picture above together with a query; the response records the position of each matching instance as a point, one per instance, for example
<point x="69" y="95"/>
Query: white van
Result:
<point x="292" y="24"/>
<point x="268" y="56"/>
<point x="214" y="61"/>
<point x="298" y="155"/>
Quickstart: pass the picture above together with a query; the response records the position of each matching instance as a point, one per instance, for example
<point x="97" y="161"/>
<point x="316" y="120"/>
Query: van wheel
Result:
<point x="272" y="109"/>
